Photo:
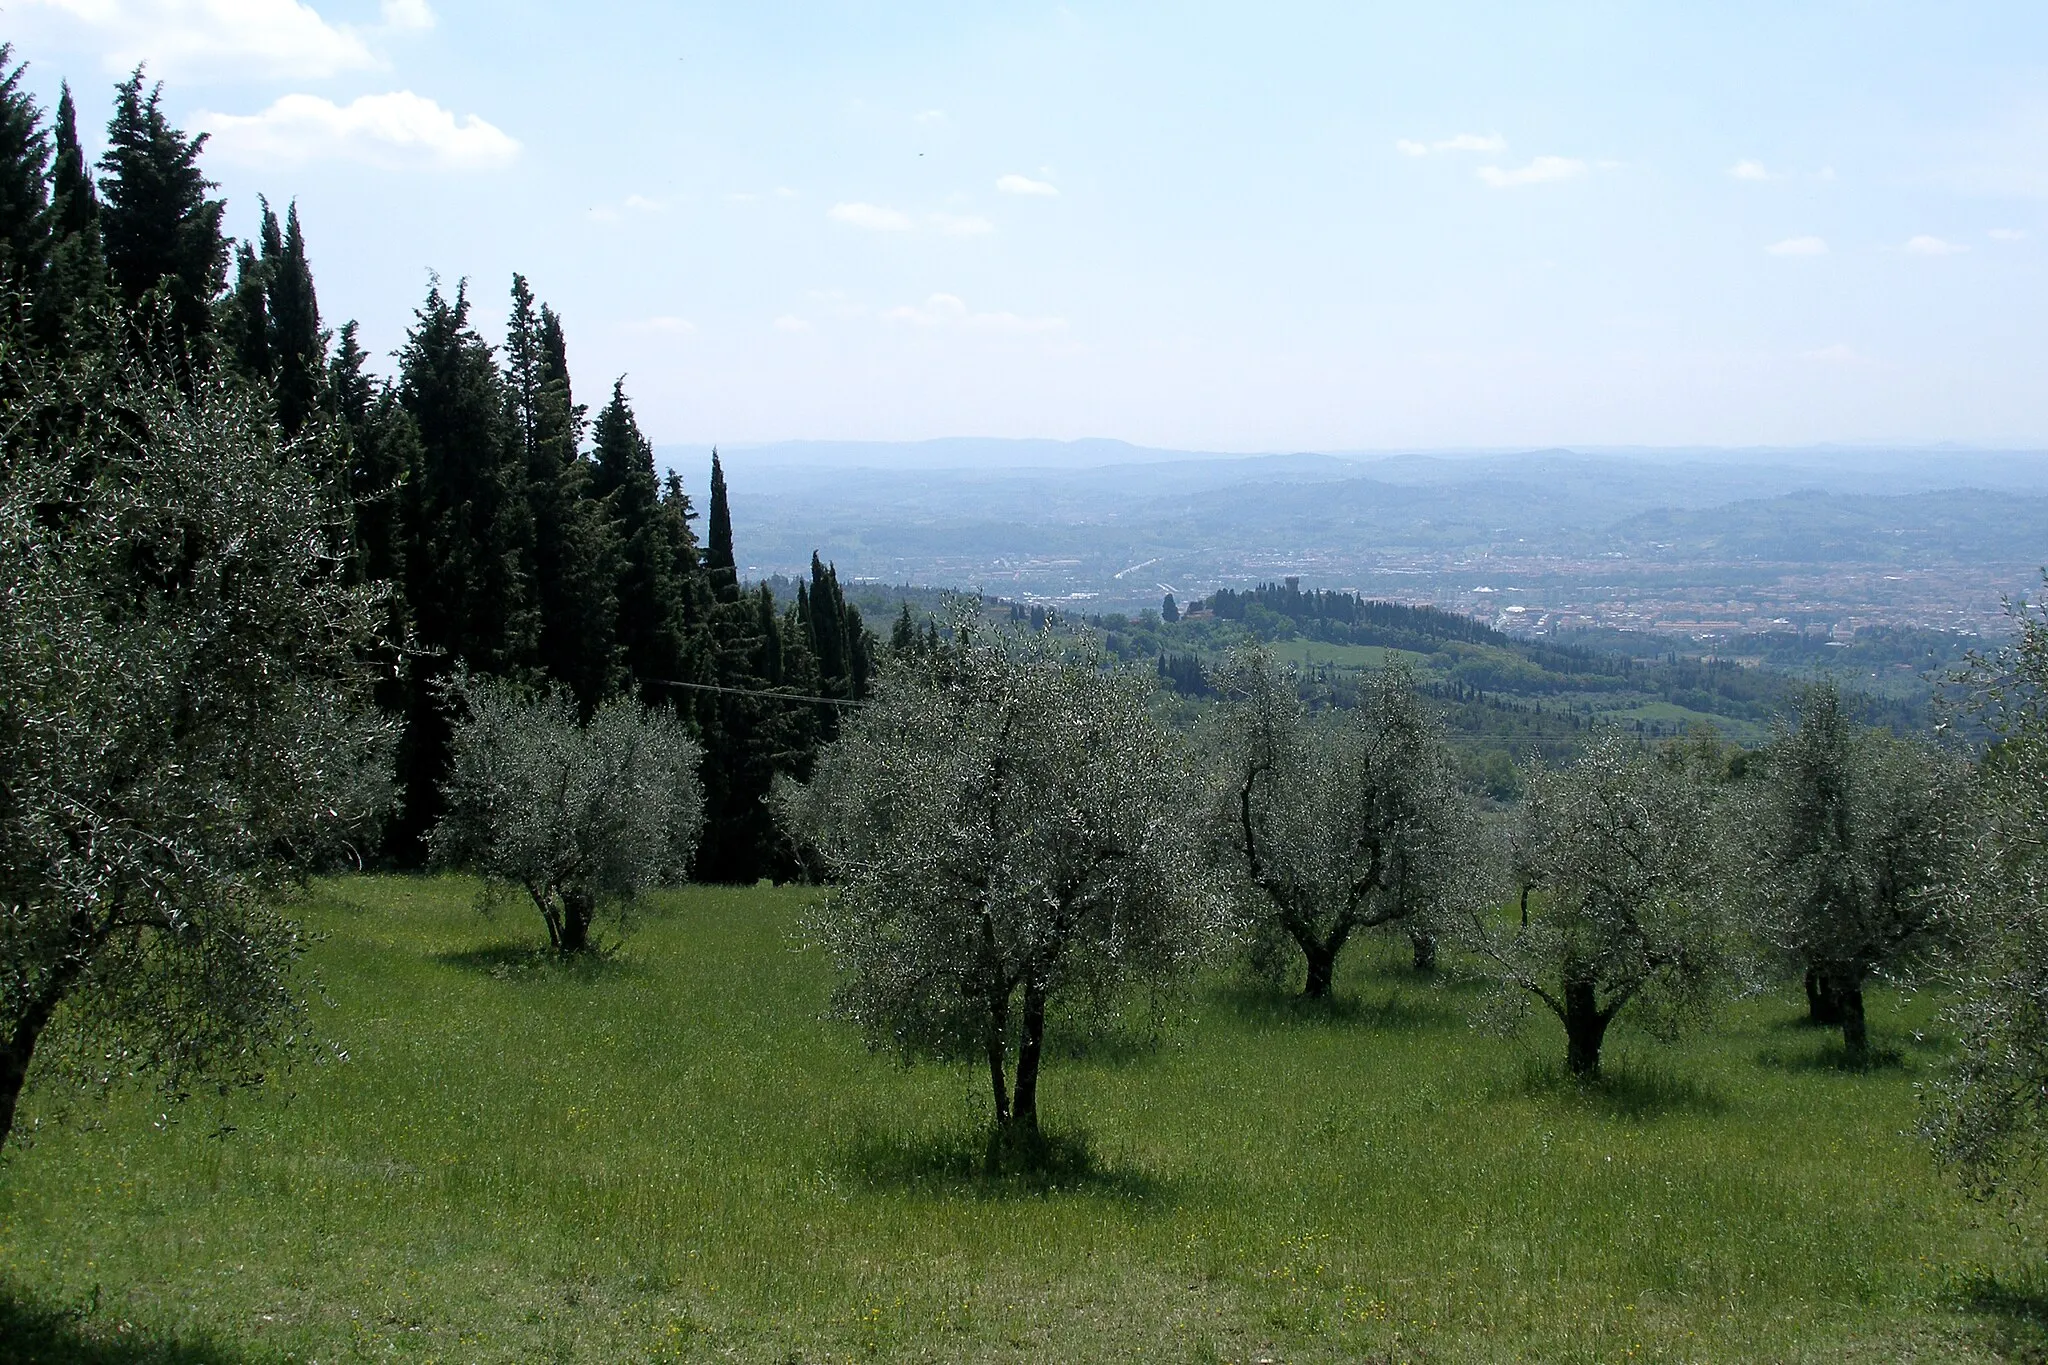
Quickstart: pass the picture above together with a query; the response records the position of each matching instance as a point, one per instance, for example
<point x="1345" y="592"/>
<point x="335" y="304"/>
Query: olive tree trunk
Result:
<point x="1823" y="1006"/>
<point x="1585" y="1028"/>
<point x="1424" y="944"/>
<point x="1030" y="1048"/>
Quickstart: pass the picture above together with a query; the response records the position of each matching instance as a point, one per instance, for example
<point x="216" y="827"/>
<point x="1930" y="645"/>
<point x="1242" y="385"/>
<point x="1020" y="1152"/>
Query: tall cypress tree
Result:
<point x="719" y="563"/>
<point x="576" y="561"/>
<point x="652" y="611"/>
<point x="161" y="231"/>
<point x="24" y="193"/>
<point x="75" y="282"/>
<point x="469" y="576"/>
<point x="298" y="349"/>
<point x="245" y="318"/>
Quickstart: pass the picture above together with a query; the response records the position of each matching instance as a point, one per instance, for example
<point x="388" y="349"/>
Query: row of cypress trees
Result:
<point x="519" y="537"/>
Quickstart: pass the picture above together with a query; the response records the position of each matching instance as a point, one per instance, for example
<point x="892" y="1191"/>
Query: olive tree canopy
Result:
<point x="184" y="722"/>
<point x="582" y="817"/>
<point x="1857" y="838"/>
<point x="1615" y="857"/>
<point x="1334" y="825"/>
<point x="1008" y="829"/>
<point x="1990" y="1116"/>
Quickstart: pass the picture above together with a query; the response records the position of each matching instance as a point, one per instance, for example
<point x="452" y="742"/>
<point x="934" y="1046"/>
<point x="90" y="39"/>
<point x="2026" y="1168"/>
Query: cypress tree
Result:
<point x="719" y="563"/>
<point x="651" y="610"/>
<point x="468" y="557"/>
<point x="298" y="349"/>
<point x="24" y="194"/>
<point x="245" y="320"/>
<point x="576" y="554"/>
<point x="74" y="283"/>
<point x="160" y="230"/>
<point x="903" y="640"/>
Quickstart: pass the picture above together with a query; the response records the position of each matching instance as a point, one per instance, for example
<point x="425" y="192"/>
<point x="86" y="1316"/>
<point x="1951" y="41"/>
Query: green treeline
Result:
<point x="513" y="534"/>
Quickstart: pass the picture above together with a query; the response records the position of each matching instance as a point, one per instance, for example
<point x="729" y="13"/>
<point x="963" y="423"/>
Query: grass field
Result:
<point x="670" y="1157"/>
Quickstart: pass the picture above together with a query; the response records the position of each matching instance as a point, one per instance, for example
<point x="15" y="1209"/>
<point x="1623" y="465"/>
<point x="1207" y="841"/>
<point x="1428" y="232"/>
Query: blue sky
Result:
<point x="1226" y="227"/>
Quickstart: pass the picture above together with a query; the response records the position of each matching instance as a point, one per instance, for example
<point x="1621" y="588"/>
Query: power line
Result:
<point x="755" y="692"/>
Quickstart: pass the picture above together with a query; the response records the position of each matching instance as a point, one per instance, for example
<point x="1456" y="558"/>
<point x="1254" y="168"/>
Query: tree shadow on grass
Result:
<point x="1623" y="1090"/>
<point x="2016" y="1316"/>
<point x="985" y="1164"/>
<point x="516" y="961"/>
<point x="1402" y="1009"/>
<point x="37" y="1333"/>
<point x="1834" y="1057"/>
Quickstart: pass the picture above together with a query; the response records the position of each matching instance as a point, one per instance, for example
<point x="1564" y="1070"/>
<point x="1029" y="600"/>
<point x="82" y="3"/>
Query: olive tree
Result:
<point x="582" y="817"/>
<point x="1332" y="827"/>
<point x="1008" y="831"/>
<point x="1990" y="1114"/>
<point x="1856" y="838"/>
<point x="184" y="723"/>
<point x="1615" y="860"/>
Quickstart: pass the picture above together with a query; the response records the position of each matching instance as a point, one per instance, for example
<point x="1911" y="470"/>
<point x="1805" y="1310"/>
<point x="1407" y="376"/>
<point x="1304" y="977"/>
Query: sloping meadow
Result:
<point x="668" y="1155"/>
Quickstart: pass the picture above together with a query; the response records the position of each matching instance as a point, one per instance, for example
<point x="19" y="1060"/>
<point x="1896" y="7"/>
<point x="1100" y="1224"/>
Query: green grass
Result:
<point x="1347" y="656"/>
<point x="670" y="1157"/>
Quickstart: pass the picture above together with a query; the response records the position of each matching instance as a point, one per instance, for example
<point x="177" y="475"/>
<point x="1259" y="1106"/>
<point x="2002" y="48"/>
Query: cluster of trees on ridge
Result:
<point x="234" y="625"/>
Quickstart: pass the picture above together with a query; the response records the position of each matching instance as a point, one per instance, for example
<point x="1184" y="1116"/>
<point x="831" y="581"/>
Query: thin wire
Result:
<point x="755" y="692"/>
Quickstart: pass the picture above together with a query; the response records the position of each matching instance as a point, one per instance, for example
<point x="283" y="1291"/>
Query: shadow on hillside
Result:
<point x="1404" y="1008"/>
<point x="1623" y="1090"/>
<point x="980" y="1165"/>
<point x="1833" y="1056"/>
<point x="2016" y="1316"/>
<point x="37" y="1333"/>
<point x="515" y="961"/>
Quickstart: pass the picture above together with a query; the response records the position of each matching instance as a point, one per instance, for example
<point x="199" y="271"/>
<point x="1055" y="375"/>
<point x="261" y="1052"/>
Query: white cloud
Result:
<point x="1461" y="142"/>
<point x="790" y="323"/>
<point x="234" y="39"/>
<point x="1751" y="170"/>
<point x="962" y="225"/>
<point x="406" y="15"/>
<point x="1022" y="184"/>
<point x="394" y="130"/>
<point x="949" y="310"/>
<point x="1838" y="354"/>
<point x="640" y="203"/>
<point x="1923" y="245"/>
<point x="870" y="216"/>
<point x="1799" y="246"/>
<point x="930" y="116"/>
<point x="784" y="192"/>
<point x="2007" y="234"/>
<point x="1544" y="170"/>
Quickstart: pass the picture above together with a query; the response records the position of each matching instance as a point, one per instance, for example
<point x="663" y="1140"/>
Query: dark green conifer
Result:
<point x="245" y="318"/>
<point x="719" y="563"/>
<point x="298" y="348"/>
<point x="160" y="230"/>
<point x="74" y="285"/>
<point x="576" y="553"/>
<point x="651" y="611"/>
<point x="469" y="553"/>
<point x="24" y="193"/>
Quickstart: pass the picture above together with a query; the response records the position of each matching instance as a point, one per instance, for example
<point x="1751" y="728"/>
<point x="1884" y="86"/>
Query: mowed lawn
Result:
<point x="673" y="1157"/>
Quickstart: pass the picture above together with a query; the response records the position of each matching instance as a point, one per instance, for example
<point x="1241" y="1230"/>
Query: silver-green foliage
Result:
<point x="1616" y="857"/>
<point x="1856" y="841"/>
<point x="582" y="817"/>
<point x="1990" y="1116"/>
<point x="1007" y="830"/>
<point x="184" y="722"/>
<point x="1337" y="824"/>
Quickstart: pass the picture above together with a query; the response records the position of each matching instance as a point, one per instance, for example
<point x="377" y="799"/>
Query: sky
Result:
<point x="1272" y="226"/>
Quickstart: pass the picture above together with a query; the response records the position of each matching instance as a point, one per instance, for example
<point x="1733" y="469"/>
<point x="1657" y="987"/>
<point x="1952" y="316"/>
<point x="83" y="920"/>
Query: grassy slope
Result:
<point x="672" y="1158"/>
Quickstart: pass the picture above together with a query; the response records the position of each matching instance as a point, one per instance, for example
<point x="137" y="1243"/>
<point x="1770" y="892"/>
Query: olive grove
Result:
<point x="1620" y="905"/>
<point x="582" y="817"/>
<point x="1336" y="825"/>
<point x="1008" y="832"/>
